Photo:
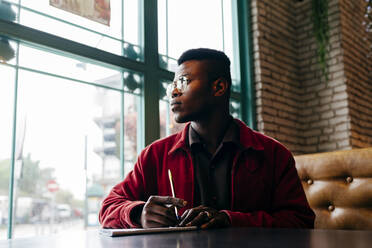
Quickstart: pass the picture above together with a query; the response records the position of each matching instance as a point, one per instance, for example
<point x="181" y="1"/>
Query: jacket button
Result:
<point x="349" y="179"/>
<point x="331" y="208"/>
<point x="310" y="181"/>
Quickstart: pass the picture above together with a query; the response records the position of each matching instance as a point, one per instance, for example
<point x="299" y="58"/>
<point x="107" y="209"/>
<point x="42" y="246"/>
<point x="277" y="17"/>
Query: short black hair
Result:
<point x="220" y="69"/>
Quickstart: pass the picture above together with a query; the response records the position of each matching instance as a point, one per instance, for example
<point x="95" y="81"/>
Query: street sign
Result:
<point x="52" y="186"/>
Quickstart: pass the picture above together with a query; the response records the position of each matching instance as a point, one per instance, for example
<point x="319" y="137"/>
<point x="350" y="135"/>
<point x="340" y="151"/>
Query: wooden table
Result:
<point x="229" y="237"/>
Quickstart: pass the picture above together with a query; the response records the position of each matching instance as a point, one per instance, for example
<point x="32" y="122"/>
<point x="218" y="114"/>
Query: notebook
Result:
<point x="133" y="231"/>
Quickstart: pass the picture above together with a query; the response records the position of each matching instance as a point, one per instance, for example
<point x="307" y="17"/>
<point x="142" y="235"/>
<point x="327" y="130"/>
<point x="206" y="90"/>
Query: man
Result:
<point x="224" y="173"/>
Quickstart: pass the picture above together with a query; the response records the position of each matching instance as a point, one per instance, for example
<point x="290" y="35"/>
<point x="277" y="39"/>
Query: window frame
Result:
<point x="152" y="72"/>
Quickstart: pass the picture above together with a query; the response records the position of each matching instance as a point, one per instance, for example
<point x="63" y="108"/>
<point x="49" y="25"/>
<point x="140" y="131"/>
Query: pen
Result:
<point x="173" y="194"/>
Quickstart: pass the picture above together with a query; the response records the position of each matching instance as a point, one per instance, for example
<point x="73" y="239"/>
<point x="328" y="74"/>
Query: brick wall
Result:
<point x="276" y="77"/>
<point x="324" y="107"/>
<point x="295" y="104"/>
<point x="358" y="71"/>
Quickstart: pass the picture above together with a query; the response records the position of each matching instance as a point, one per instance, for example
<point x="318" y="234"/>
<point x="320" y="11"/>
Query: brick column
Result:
<point x="294" y="102"/>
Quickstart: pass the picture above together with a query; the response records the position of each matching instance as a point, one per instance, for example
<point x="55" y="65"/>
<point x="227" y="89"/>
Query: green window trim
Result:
<point x="246" y="63"/>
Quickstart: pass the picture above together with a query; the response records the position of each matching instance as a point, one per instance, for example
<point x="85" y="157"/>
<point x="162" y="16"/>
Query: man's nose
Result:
<point x="176" y="92"/>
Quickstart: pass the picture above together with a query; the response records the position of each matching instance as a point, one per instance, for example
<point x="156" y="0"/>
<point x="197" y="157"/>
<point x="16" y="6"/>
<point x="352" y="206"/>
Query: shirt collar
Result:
<point x="231" y="135"/>
<point x="247" y="138"/>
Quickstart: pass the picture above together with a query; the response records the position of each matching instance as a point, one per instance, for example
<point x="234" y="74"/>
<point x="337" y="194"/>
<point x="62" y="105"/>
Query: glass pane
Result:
<point x="213" y="25"/>
<point x="65" y="30"/>
<point x="235" y="108"/>
<point x="204" y="29"/>
<point x="85" y="22"/>
<point x="91" y="9"/>
<point x="66" y="154"/>
<point x="133" y="29"/>
<point x="107" y="147"/>
<point x="6" y="127"/>
<point x="132" y="130"/>
<point x="68" y="67"/>
<point x="167" y="124"/>
<point x="133" y="109"/>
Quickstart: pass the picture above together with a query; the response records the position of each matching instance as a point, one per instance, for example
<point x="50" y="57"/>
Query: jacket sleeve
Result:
<point x="124" y="197"/>
<point x="289" y="206"/>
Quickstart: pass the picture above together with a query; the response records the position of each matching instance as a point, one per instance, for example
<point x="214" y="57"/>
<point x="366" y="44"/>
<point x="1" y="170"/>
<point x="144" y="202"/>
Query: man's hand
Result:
<point x="204" y="217"/>
<point x="158" y="211"/>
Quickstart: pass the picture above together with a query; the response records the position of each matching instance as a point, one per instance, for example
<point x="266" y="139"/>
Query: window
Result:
<point x="167" y="124"/>
<point x="79" y="99"/>
<point x="123" y="35"/>
<point x="213" y="25"/>
<point x="68" y="134"/>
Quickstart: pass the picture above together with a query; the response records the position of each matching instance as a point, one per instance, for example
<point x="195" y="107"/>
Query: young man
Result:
<point x="224" y="173"/>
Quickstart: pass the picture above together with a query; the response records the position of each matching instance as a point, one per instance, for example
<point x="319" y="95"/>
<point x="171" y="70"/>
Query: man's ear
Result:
<point x="220" y="86"/>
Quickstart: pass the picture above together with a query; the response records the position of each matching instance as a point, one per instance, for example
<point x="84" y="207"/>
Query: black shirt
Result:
<point x="213" y="171"/>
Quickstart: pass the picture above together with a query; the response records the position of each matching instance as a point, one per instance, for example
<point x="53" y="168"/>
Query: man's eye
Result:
<point x="183" y="79"/>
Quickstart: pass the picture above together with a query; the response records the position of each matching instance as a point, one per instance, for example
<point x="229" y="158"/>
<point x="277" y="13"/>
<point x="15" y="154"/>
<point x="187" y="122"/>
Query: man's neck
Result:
<point x="212" y="130"/>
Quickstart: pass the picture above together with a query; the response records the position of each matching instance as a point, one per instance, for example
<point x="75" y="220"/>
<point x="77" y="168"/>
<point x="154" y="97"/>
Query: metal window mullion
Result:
<point x="151" y="79"/>
<point x="235" y="32"/>
<point x="223" y="27"/>
<point x="166" y="31"/>
<point x="12" y="159"/>
<point x="246" y="63"/>
<point x="140" y="21"/>
<point x="86" y="181"/>
<point x="33" y="36"/>
<point x="167" y="120"/>
<point x="236" y="96"/>
<point x="122" y="172"/>
<point x="63" y="77"/>
<point x="19" y="11"/>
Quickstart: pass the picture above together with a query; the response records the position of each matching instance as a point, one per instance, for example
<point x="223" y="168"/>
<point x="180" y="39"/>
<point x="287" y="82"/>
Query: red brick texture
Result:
<point x="295" y="104"/>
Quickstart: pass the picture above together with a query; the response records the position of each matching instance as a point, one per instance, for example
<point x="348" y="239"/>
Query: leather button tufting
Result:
<point x="349" y="179"/>
<point x="331" y="207"/>
<point x="310" y="181"/>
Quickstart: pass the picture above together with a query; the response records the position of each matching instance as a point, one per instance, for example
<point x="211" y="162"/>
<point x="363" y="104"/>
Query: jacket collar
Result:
<point x="248" y="138"/>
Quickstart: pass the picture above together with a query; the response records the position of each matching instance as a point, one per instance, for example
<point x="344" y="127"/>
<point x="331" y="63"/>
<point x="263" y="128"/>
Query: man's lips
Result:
<point x="175" y="103"/>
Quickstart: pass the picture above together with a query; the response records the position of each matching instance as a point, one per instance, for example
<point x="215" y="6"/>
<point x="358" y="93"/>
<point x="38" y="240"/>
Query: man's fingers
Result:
<point x="152" y="224"/>
<point x="161" y="210"/>
<point x="212" y="223"/>
<point x="168" y="200"/>
<point x="201" y="218"/>
<point x="191" y="214"/>
<point x="160" y="220"/>
<point x="220" y="220"/>
<point x="156" y="212"/>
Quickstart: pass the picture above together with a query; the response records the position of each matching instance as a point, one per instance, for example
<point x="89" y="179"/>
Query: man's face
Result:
<point x="196" y="100"/>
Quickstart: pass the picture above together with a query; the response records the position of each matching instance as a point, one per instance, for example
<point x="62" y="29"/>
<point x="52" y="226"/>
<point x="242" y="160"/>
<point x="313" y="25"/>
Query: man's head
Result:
<point x="203" y="83"/>
<point x="218" y="62"/>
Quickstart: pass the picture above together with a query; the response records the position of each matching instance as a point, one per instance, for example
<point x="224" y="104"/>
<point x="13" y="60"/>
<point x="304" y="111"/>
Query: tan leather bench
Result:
<point x="338" y="186"/>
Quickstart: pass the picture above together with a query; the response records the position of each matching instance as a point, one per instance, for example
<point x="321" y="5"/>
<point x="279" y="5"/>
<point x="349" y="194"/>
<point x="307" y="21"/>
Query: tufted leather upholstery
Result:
<point x="338" y="186"/>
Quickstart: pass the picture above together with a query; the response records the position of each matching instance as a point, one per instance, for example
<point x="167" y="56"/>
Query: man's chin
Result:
<point x="180" y="119"/>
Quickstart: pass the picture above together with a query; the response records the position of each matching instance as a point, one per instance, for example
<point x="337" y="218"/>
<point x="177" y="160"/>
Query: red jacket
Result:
<point x="266" y="190"/>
